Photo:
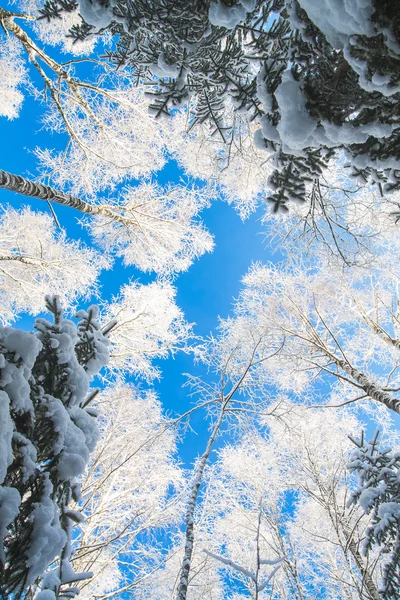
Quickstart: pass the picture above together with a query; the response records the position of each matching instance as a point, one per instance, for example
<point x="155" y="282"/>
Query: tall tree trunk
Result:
<point x="343" y="530"/>
<point x="368" y="582"/>
<point x="187" y="559"/>
<point x="26" y="187"/>
<point x="372" y="390"/>
<point x="258" y="557"/>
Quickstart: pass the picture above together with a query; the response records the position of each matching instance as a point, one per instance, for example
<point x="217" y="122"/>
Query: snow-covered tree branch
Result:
<point x="48" y="433"/>
<point x="153" y="228"/>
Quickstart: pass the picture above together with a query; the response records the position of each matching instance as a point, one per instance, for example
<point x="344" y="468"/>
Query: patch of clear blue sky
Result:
<point x="205" y="292"/>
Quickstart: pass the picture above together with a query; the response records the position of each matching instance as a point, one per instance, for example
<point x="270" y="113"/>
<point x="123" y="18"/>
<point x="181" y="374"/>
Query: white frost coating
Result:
<point x="130" y="145"/>
<point x="41" y="260"/>
<point x="9" y="509"/>
<point x="161" y="231"/>
<point x="233" y="565"/>
<point x="12" y="77"/>
<point x="149" y="326"/>
<point x="339" y="19"/>
<point x="127" y="489"/>
<point x="225" y="16"/>
<point x="48" y="538"/>
<point x="240" y="169"/>
<point x="261" y="586"/>
<point x="6" y="432"/>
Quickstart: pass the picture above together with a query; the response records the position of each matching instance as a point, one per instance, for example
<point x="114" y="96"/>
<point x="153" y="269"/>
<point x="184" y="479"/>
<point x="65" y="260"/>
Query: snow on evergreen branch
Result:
<point x="47" y="436"/>
<point x="378" y="493"/>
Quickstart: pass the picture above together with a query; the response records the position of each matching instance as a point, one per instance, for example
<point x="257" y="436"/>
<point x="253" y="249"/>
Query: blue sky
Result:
<point x="205" y="292"/>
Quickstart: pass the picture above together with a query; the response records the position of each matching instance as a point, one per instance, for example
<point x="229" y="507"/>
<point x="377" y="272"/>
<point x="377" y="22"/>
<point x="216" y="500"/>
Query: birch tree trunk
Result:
<point x="372" y="390"/>
<point x="368" y="582"/>
<point x="258" y="557"/>
<point x="26" y="187"/>
<point x="343" y="530"/>
<point x="189" y="543"/>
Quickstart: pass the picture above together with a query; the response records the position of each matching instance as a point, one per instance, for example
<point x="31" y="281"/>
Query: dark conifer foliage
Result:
<point x="48" y="431"/>
<point x="378" y="493"/>
<point x="253" y="53"/>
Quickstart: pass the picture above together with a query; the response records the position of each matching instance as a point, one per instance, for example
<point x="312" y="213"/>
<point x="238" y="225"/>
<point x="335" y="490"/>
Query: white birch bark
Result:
<point x="371" y="390"/>
<point x="26" y="187"/>
<point x="189" y="543"/>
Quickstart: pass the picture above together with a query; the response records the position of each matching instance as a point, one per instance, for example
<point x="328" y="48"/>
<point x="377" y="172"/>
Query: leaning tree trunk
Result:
<point x="367" y="580"/>
<point x="26" y="187"/>
<point x="189" y="534"/>
<point x="371" y="390"/>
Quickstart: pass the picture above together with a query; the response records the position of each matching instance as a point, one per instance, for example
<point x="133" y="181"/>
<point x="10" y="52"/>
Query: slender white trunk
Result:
<point x="189" y="542"/>
<point x="187" y="559"/>
<point x="368" y="582"/>
<point x="258" y="551"/>
<point x="344" y="530"/>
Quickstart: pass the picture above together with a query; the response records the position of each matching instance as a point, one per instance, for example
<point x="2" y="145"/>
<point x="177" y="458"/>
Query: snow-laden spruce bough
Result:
<point x="378" y="493"/>
<point x="48" y="430"/>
